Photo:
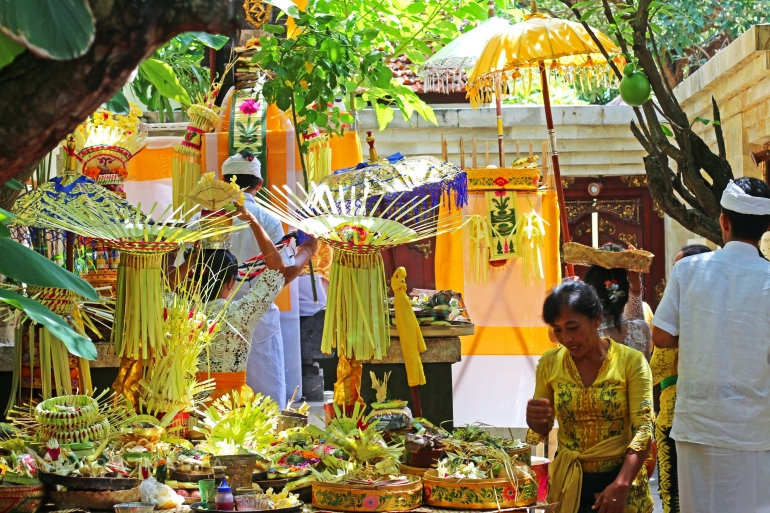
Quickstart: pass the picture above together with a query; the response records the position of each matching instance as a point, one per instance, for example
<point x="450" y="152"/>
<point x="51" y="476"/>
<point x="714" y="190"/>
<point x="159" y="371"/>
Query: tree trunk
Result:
<point x="44" y="100"/>
<point x="8" y="196"/>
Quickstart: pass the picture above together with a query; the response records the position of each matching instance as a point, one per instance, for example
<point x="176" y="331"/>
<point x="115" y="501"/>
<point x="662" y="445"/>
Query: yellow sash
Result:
<point x="567" y="473"/>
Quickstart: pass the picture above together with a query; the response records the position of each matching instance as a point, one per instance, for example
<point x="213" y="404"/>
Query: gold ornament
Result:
<point x="257" y="12"/>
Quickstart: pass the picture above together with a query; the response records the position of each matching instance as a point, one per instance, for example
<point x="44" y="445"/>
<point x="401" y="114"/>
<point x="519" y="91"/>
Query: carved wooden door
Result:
<point x="418" y="258"/>
<point x="627" y="215"/>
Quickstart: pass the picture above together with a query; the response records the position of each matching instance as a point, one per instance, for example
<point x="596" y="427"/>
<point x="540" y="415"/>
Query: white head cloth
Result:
<point x="734" y="198"/>
<point x="239" y="165"/>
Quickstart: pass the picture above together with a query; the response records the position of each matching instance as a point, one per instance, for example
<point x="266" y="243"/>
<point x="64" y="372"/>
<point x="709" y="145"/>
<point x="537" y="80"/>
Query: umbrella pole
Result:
<point x="555" y="158"/>
<point x="499" y="102"/>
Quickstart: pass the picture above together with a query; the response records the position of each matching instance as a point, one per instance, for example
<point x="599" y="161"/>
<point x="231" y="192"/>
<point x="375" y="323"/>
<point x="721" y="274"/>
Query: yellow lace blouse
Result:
<point x="618" y="403"/>
<point x="664" y="364"/>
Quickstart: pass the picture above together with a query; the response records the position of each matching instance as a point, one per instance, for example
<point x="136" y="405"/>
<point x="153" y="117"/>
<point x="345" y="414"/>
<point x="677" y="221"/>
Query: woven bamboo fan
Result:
<point x="632" y="259"/>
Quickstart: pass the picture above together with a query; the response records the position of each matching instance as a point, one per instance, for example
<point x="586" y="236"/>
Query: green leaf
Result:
<point x="214" y="41"/>
<point x="9" y="49"/>
<point x="274" y="29"/>
<point x="702" y="120"/>
<point x="4" y="231"/>
<point x="24" y="265"/>
<point x="666" y="130"/>
<point x="74" y="342"/>
<point x="384" y="115"/>
<point x="6" y="216"/>
<point x="52" y="29"/>
<point x="286" y="6"/>
<point x="14" y="184"/>
<point x="283" y="99"/>
<point x="589" y="13"/>
<point x="382" y="76"/>
<point x="118" y="104"/>
<point x="717" y="122"/>
<point x="165" y="81"/>
<point x="416" y="8"/>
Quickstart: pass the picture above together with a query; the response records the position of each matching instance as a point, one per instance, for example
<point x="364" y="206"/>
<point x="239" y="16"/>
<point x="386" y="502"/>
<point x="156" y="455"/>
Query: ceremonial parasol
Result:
<point x="537" y="45"/>
<point x="396" y="179"/>
<point x="460" y="56"/>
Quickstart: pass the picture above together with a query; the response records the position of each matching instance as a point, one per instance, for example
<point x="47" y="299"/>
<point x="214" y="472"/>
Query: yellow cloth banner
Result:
<point x="506" y="313"/>
<point x="409" y="334"/>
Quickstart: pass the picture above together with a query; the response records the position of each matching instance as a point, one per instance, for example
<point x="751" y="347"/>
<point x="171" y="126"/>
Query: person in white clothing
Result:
<point x="715" y="310"/>
<point x="266" y="366"/>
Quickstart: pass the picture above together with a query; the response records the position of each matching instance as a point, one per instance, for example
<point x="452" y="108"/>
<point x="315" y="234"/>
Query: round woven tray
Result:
<point x="94" y="500"/>
<point x="633" y="259"/>
<point x="21" y="498"/>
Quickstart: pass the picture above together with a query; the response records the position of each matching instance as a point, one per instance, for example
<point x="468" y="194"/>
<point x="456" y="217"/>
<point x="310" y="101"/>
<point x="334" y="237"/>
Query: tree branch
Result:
<point x="718" y="130"/>
<point x="693" y="220"/>
<point x="44" y="100"/>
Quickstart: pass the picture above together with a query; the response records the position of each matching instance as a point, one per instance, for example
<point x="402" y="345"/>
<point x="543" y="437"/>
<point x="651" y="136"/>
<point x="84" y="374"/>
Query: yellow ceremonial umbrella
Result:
<point x="539" y="45"/>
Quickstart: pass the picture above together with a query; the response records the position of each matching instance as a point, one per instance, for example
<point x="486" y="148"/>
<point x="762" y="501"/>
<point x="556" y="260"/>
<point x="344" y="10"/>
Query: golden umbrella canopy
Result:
<point x="539" y="45"/>
<point x="564" y="47"/>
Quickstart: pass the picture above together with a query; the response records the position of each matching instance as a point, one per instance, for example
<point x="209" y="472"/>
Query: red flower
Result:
<point x="250" y="106"/>
<point x="509" y="493"/>
<point x="165" y="314"/>
<point x="361" y="426"/>
<point x="212" y="327"/>
<point x="535" y="180"/>
<point x="427" y="491"/>
<point x="500" y="181"/>
<point x="106" y="115"/>
<point x="500" y="193"/>
<point x="607" y="283"/>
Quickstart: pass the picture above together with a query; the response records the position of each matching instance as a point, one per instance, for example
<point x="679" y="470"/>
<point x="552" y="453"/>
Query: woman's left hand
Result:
<point x="635" y="282"/>
<point x="612" y="499"/>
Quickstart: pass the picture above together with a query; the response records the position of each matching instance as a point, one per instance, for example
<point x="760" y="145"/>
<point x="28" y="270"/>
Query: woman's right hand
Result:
<point x="539" y="413"/>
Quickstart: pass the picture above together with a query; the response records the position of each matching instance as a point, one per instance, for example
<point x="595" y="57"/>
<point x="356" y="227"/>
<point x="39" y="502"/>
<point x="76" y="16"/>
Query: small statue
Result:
<point x="372" y="152"/>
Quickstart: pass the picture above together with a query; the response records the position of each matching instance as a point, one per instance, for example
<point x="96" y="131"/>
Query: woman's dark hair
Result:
<point x="578" y="296"/>
<point x="694" y="249"/>
<point x="213" y="269"/>
<point x="747" y="226"/>
<point x="613" y="301"/>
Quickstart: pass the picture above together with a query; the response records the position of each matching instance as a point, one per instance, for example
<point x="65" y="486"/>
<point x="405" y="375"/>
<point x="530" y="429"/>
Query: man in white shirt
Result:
<point x="715" y="309"/>
<point x="266" y="368"/>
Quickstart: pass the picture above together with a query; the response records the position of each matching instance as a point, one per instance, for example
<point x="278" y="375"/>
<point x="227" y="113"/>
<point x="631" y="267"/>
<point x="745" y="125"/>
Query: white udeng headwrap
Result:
<point x="734" y="198"/>
<point x="238" y="165"/>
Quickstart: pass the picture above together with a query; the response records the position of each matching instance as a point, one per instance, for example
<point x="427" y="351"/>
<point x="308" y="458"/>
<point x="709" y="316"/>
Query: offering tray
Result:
<point x="88" y="483"/>
<point x="359" y="498"/>
<point x="479" y="494"/>
<point x="200" y="506"/>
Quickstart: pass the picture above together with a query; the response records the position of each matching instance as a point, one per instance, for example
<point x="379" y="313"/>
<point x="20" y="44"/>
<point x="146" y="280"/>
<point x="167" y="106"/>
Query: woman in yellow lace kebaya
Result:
<point x="601" y="394"/>
<point x="664" y="371"/>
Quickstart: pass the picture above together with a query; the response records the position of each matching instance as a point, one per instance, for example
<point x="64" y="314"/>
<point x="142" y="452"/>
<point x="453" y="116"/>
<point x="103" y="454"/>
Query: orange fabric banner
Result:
<point x="505" y="311"/>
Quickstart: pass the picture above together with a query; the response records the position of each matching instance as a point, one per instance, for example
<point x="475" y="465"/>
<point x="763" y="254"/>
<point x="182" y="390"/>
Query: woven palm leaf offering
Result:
<point x="357" y="322"/>
<point x="144" y="245"/>
<point x="216" y="198"/>
<point x="365" y="476"/>
<point x="631" y="259"/>
<point x="481" y="471"/>
<point x="105" y="143"/>
<point x="186" y="163"/>
<point x="43" y="362"/>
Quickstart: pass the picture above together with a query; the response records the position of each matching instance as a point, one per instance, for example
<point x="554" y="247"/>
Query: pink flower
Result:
<point x="370" y="502"/>
<point x="250" y="106"/>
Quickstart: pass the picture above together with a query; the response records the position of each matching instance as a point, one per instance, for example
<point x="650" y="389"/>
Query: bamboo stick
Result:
<point x="475" y="164"/>
<point x="486" y="153"/>
<point x="462" y="154"/>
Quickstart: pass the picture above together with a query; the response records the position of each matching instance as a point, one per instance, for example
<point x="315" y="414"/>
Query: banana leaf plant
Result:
<point x="58" y="30"/>
<point x="26" y="266"/>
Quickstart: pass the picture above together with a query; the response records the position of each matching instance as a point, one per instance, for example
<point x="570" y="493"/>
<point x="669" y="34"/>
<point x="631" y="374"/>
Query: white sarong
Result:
<point x="717" y="480"/>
